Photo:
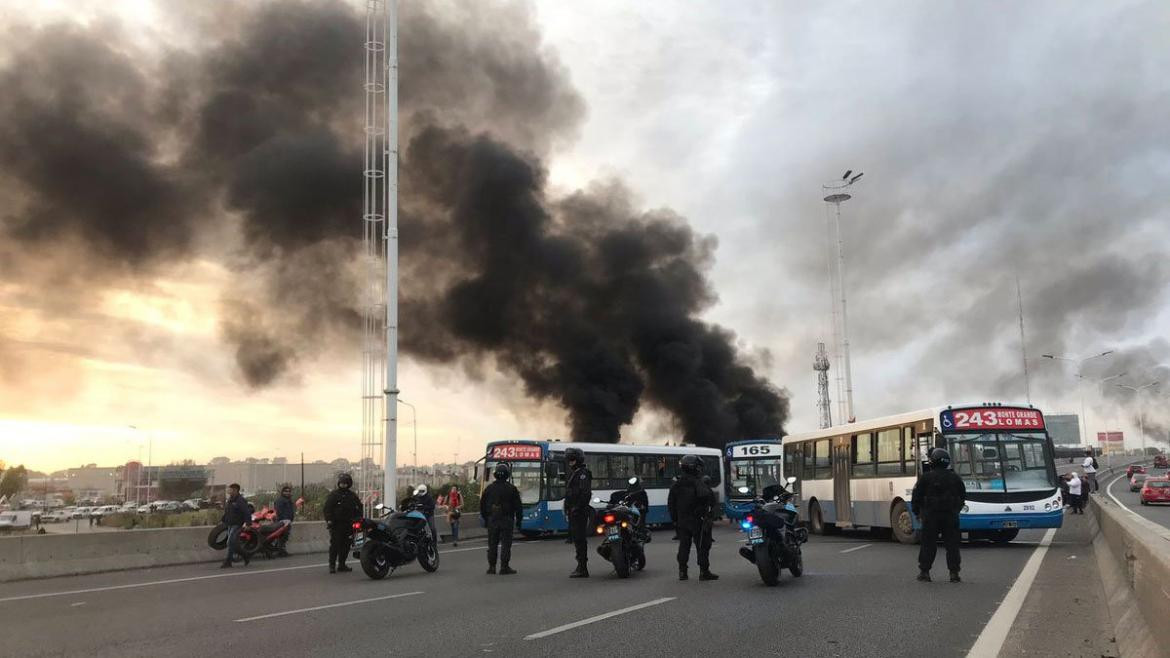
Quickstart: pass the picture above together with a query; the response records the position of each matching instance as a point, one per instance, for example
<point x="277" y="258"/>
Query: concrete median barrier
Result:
<point x="1134" y="556"/>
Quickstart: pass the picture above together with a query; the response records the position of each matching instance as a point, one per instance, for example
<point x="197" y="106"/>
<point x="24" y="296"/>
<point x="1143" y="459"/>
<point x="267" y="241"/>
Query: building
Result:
<point x="1065" y="429"/>
<point x="253" y="477"/>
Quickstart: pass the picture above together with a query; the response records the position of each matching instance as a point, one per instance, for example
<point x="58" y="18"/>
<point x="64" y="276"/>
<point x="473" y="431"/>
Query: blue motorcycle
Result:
<point x="394" y="539"/>
<point x="773" y="534"/>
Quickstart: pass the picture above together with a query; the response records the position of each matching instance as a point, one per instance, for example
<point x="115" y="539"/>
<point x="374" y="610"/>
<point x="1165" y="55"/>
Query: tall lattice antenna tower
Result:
<point x="824" y="406"/>
<point x="379" y="293"/>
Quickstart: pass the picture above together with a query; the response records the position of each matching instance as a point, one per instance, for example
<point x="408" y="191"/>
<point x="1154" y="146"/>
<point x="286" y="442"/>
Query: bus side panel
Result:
<point x="822" y="491"/>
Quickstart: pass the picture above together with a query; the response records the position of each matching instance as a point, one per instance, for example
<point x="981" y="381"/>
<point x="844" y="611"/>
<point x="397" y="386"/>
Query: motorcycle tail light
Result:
<point x="357" y="525"/>
<point x="749" y="519"/>
<point x="609" y="518"/>
<point x="600" y="529"/>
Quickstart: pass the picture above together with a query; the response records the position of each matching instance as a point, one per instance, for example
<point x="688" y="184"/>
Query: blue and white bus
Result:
<point x="538" y="470"/>
<point x="862" y="474"/>
<point x="755" y="464"/>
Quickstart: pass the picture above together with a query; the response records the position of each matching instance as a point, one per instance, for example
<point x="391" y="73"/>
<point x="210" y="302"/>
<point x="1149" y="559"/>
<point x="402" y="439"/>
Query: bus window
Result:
<point x="863" y="465"/>
<point x="554" y="480"/>
<point x="889" y="452"/>
<point x="909" y="464"/>
<point x="791" y="459"/>
<point x="711" y="470"/>
<point x="823" y="460"/>
<point x="810" y="460"/>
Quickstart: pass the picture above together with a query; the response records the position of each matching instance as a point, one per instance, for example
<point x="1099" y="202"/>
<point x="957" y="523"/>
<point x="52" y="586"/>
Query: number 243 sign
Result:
<point x="516" y="452"/>
<point x="996" y="418"/>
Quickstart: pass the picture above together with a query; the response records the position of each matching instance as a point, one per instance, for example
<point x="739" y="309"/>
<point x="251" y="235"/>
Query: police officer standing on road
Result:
<point x="578" y="494"/>
<point x="500" y="509"/>
<point x="342" y="508"/>
<point x="691" y="503"/>
<point x="937" y="500"/>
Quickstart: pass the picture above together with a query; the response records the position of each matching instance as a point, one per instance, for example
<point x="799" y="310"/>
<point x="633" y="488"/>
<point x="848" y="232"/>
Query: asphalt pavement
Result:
<point x="857" y="597"/>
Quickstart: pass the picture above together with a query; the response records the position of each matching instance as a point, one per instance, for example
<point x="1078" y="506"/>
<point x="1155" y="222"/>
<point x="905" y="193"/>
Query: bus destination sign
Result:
<point x="992" y="418"/>
<point x="754" y="450"/>
<point x="516" y="452"/>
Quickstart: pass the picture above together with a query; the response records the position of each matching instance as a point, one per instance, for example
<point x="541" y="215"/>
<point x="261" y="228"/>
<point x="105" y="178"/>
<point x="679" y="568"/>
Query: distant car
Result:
<point x="144" y="509"/>
<point x="1136" y="481"/>
<point x="17" y="520"/>
<point x="1156" y="490"/>
<point x="1134" y="468"/>
<point x="57" y="516"/>
<point x="105" y="510"/>
<point x="82" y="512"/>
<point x="191" y="505"/>
<point x="1160" y="461"/>
<point x="168" y="506"/>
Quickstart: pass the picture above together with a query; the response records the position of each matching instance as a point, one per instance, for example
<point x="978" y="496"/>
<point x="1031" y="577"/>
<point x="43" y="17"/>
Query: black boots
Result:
<point x="332" y="569"/>
<point x="580" y="572"/>
<point x="342" y="568"/>
<point x="923" y="576"/>
<point x="491" y="570"/>
<point x="682" y="572"/>
<point x="955" y="577"/>
<point x="506" y="570"/>
<point x="705" y="574"/>
<point x="227" y="564"/>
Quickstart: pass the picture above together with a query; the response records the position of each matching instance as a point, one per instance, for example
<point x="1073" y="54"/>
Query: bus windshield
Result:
<point x="755" y="474"/>
<point x="526" y="478"/>
<point x="1002" y="461"/>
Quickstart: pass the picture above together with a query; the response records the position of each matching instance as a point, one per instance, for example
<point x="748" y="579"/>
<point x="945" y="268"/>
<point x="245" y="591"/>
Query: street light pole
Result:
<point x="835" y="194"/>
<point x="414" y="424"/>
<point x="1141" y="409"/>
<point x="1080" y="365"/>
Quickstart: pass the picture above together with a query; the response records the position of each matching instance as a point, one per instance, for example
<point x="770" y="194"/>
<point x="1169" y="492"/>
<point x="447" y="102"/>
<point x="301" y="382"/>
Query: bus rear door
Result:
<point x="842" y="502"/>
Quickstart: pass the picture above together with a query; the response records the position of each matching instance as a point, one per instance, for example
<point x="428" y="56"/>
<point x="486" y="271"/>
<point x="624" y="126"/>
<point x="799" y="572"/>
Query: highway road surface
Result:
<point x="858" y="597"/>
<point x="1116" y="487"/>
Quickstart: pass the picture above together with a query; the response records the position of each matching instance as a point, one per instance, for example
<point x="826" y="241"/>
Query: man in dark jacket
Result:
<point x="342" y="508"/>
<point x="937" y="500"/>
<point x="236" y="512"/>
<point x="690" y="503"/>
<point x="422" y="496"/>
<point x="286" y="511"/>
<point x="578" y="494"/>
<point x="500" y="509"/>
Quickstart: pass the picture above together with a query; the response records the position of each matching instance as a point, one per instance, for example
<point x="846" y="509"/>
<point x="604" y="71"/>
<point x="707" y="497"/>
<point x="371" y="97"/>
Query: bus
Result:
<point x="538" y="471"/>
<point x="754" y="464"/>
<point x="862" y="474"/>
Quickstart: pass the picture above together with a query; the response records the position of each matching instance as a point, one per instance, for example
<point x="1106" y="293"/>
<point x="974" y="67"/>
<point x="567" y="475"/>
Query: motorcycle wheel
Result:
<point x="373" y="560"/>
<point x="620" y="564"/>
<point x="769" y="572"/>
<point x="796" y="568"/>
<point x="218" y="537"/>
<point x="428" y="556"/>
<point x="248" y="546"/>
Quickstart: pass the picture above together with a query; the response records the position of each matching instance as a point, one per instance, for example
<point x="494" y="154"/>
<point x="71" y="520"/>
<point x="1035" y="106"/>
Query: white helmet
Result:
<point x="420" y="490"/>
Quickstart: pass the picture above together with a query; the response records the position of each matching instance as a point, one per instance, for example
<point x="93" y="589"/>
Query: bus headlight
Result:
<point x="1047" y="507"/>
<point x="965" y="509"/>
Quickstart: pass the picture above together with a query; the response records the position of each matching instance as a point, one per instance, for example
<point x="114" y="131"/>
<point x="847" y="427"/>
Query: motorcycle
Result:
<point x="394" y="539"/>
<point x="623" y="538"/>
<point x="260" y="535"/>
<point x="773" y="534"/>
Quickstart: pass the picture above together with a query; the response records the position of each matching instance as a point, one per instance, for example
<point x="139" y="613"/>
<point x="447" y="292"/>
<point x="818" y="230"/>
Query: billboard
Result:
<point x="1065" y="429"/>
<point x="1111" y="443"/>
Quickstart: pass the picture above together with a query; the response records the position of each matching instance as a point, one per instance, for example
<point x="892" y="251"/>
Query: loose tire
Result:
<point x="816" y="520"/>
<point x="769" y="573"/>
<point x="373" y="560"/>
<point x="620" y="564"/>
<point x="903" y="525"/>
<point x="218" y="537"/>
<point x="428" y="558"/>
<point x="1004" y="536"/>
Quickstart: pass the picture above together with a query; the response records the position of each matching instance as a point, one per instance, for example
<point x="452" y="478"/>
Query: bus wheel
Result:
<point x="902" y="525"/>
<point x="816" y="520"/>
<point x="1004" y="536"/>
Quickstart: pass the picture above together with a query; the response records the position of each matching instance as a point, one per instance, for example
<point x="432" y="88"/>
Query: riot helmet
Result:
<point x="502" y="472"/>
<point x="574" y="457"/>
<point x="940" y="457"/>
<point x="691" y="464"/>
<point x="344" y="480"/>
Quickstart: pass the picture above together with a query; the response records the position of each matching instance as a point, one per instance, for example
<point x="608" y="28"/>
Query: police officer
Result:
<point x="691" y="503"/>
<point x="342" y="507"/>
<point x="937" y="500"/>
<point x="500" y="509"/>
<point x="578" y="494"/>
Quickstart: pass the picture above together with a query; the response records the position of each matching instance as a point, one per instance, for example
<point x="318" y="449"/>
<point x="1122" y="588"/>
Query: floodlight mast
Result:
<point x="836" y="195"/>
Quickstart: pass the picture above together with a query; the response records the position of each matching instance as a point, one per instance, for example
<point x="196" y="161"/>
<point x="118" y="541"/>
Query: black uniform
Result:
<point x="341" y="509"/>
<point x="691" y="504"/>
<point x="500" y="509"/>
<point x="937" y="500"/>
<point x="578" y="494"/>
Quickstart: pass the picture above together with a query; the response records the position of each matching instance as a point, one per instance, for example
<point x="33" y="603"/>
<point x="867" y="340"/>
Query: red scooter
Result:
<point x="261" y="535"/>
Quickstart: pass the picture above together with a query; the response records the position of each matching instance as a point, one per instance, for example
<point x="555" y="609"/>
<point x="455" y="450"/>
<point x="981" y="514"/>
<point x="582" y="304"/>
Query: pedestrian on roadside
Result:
<point x="1075" y="495"/>
<point x="235" y="515"/>
<point x="500" y="509"/>
<point x="1064" y="494"/>
<point x="342" y="507"/>
<point x="936" y="500"/>
<point x="578" y="512"/>
<point x="286" y="511"/>
<point x="1090" y="468"/>
<point x="691" y="503"/>
<point x="454" y="511"/>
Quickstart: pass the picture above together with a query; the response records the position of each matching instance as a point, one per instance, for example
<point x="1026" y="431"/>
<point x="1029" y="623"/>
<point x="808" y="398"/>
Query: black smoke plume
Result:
<point x="247" y="151"/>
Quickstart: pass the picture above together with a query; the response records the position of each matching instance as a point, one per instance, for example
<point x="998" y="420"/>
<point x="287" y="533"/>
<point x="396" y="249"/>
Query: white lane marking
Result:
<point x="171" y="581"/>
<point x="1109" y="490"/>
<point x="325" y="607"/>
<point x="583" y="622"/>
<point x="856" y="548"/>
<point x="76" y="605"/>
<point x="994" y="634"/>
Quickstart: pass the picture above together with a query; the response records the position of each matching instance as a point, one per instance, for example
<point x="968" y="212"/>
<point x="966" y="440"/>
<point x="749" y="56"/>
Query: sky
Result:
<point x="180" y="206"/>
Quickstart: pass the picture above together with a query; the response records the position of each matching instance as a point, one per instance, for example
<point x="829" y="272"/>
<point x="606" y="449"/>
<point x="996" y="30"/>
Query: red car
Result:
<point x="1160" y="461"/>
<point x="1156" y="490"/>
<point x="1133" y="468"/>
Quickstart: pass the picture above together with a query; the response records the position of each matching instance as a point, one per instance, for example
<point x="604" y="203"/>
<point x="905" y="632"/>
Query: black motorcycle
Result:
<point x="394" y="539"/>
<point x="774" y="534"/>
<point x="623" y="538"/>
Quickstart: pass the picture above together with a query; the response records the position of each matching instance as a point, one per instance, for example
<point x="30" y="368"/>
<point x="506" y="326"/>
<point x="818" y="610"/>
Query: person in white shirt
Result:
<point x="1075" y="499"/>
<point x="1090" y="466"/>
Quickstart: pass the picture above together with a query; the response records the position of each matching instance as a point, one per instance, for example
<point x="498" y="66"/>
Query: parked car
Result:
<point x="57" y="516"/>
<point x="82" y="512"/>
<point x="1136" y="481"/>
<point x="16" y="520"/>
<point x="168" y="506"/>
<point x="191" y="505"/>
<point x="144" y="509"/>
<point x="105" y="510"/>
<point x="1156" y="490"/>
